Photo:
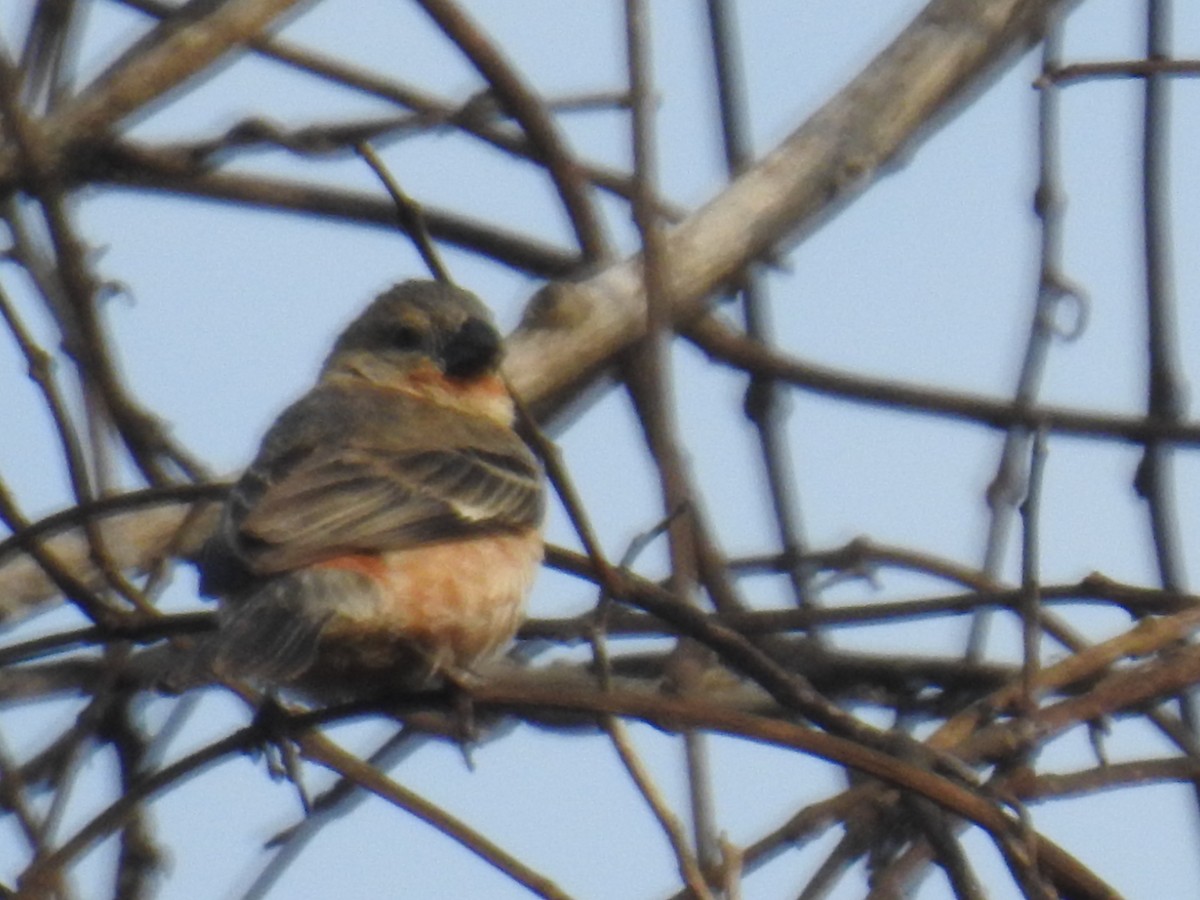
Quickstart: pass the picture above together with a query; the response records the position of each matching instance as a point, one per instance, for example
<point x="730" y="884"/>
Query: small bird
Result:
<point x="389" y="529"/>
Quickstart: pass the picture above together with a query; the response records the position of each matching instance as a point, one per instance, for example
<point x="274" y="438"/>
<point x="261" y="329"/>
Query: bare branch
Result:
<point x="570" y="332"/>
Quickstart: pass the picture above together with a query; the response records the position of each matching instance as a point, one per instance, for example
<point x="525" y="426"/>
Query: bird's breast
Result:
<point x="457" y="602"/>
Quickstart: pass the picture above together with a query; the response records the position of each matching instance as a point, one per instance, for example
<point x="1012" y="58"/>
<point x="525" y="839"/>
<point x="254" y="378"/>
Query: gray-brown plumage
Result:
<point x="389" y="525"/>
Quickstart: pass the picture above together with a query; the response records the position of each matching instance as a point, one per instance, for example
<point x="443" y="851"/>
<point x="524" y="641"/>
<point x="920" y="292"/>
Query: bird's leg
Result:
<point x="458" y="685"/>
<point x="272" y="722"/>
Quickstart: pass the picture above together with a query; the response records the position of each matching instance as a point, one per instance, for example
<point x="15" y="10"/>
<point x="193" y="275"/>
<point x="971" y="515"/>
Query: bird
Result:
<point x="388" y="531"/>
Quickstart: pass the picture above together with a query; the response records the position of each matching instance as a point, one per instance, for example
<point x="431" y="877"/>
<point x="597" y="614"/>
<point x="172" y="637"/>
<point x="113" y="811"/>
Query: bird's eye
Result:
<point x="402" y="337"/>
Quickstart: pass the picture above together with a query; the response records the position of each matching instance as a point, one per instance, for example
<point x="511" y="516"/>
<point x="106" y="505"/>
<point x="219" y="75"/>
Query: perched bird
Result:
<point x="388" y="530"/>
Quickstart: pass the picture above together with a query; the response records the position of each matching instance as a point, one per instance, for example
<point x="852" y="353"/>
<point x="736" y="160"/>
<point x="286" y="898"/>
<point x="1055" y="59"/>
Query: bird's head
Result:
<point x="429" y="340"/>
<point x="418" y="323"/>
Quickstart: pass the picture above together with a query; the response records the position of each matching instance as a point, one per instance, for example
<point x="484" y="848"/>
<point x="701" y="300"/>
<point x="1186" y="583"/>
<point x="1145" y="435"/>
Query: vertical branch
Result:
<point x="50" y="52"/>
<point x="1165" y="387"/>
<point x="1031" y="590"/>
<point x="41" y="370"/>
<point x="938" y="829"/>
<point x="652" y="391"/>
<point x="140" y="858"/>
<point x="86" y="342"/>
<point x="1008" y="485"/>
<point x="83" y="477"/>
<point x="764" y="401"/>
<point x="653" y="356"/>
<point x="1165" y="401"/>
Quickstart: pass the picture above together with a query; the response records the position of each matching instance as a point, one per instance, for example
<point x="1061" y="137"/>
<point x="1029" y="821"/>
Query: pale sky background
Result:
<point x="929" y="278"/>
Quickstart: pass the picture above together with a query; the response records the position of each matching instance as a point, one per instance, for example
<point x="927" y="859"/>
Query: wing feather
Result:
<point x="332" y="504"/>
<point x="325" y="484"/>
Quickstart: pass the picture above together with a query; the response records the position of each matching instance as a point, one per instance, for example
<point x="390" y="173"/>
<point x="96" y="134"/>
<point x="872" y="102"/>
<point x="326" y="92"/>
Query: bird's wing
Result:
<point x="364" y="499"/>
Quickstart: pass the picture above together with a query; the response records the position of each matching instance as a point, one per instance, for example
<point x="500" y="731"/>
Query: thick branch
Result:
<point x="173" y="52"/>
<point x="572" y="331"/>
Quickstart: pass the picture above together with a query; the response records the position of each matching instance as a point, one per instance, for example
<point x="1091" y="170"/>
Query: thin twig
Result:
<point x="407" y="212"/>
<point x="1031" y="589"/>
<point x="523" y="104"/>
<point x="144" y="168"/>
<point x="689" y="867"/>
<point x="650" y="386"/>
<point x="1124" y="68"/>
<point x="1166" y="386"/>
<point x="764" y="402"/>
<point x="723" y="344"/>
<point x="325" y="753"/>
<point x="1053" y="290"/>
<point x="470" y="117"/>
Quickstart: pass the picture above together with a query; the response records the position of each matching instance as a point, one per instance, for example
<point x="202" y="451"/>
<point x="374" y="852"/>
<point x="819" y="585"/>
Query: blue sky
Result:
<point x="928" y="278"/>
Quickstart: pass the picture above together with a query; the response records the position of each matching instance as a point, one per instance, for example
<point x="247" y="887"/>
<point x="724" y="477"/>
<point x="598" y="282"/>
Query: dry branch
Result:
<point x="572" y="331"/>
